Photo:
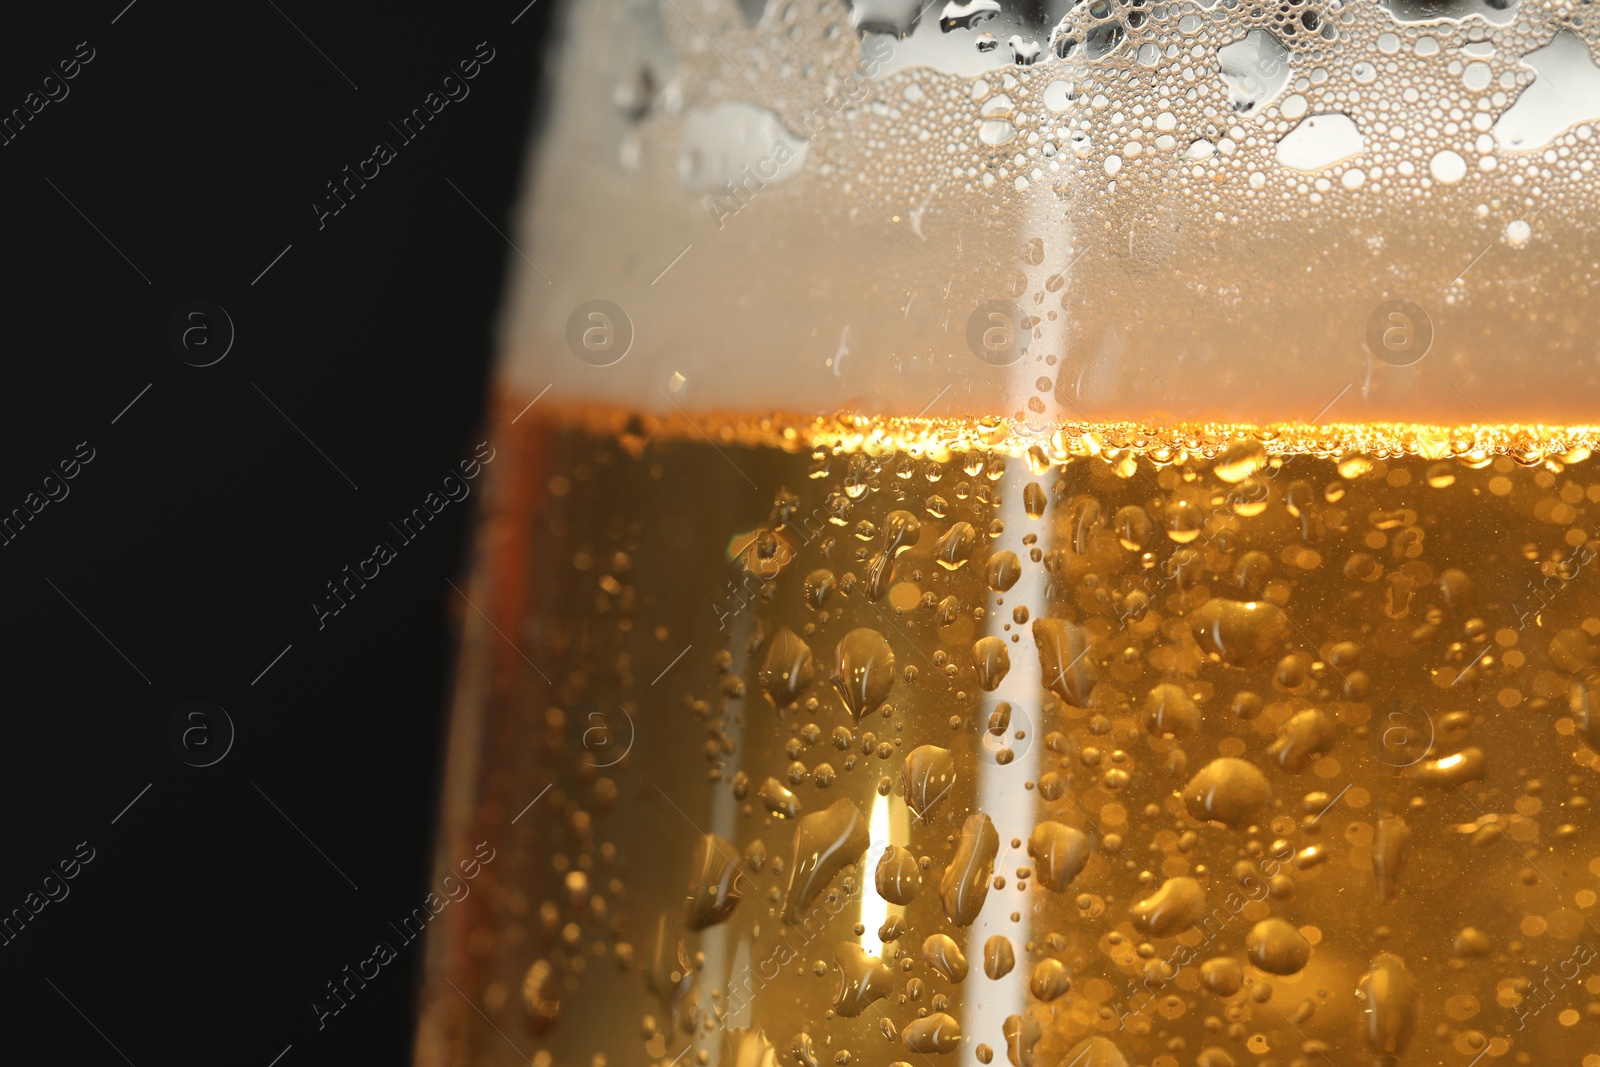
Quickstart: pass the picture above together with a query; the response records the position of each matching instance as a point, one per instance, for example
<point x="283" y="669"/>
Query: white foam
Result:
<point x="1172" y="255"/>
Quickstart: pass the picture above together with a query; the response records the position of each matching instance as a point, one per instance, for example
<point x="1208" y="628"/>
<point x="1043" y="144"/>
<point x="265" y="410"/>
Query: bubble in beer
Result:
<point x="541" y="996"/>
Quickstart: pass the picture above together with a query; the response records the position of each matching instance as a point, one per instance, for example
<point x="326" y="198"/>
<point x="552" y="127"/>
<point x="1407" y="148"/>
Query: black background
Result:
<point x="189" y="551"/>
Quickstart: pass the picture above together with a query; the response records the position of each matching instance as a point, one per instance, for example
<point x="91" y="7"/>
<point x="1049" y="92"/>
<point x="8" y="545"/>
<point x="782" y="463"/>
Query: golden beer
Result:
<point x="1085" y="558"/>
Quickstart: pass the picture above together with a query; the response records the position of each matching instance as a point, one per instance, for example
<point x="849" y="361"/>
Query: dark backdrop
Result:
<point x="208" y="506"/>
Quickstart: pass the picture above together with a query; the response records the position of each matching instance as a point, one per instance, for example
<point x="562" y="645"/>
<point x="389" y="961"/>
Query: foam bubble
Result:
<point x="1197" y="176"/>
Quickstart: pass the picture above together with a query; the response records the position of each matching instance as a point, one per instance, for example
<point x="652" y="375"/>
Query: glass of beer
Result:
<point x="1047" y="532"/>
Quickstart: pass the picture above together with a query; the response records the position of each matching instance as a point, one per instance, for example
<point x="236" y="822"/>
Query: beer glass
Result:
<point x="1051" y="532"/>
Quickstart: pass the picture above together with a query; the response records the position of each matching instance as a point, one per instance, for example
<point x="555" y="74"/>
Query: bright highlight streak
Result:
<point x="874" y="909"/>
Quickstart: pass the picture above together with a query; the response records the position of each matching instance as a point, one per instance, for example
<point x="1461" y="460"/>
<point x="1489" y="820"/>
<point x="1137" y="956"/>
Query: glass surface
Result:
<point x="1082" y="555"/>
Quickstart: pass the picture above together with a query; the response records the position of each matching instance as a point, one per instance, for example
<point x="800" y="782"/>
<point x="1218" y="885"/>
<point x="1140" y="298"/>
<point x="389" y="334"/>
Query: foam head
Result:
<point x="1055" y="210"/>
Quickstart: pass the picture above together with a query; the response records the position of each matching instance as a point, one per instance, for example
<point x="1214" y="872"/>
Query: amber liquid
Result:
<point x="868" y="743"/>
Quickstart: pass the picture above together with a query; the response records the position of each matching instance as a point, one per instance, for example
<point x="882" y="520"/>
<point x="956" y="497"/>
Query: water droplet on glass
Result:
<point x="788" y="668"/>
<point x="1239" y="460"/>
<point x="1222" y="975"/>
<point x="1049" y="980"/>
<point x="992" y="661"/>
<point x="1172" y="909"/>
<point x="1022" y="1033"/>
<point x="863" y="671"/>
<point x="955" y="546"/>
<point x="898" y="877"/>
<point x="937" y="1033"/>
<point x="779" y="799"/>
<point x="863" y="978"/>
<point x="1002" y="571"/>
<point x="1465" y="766"/>
<point x="928" y="777"/>
<point x="1241" y="633"/>
<point x="825" y="843"/>
<point x="1391" y="842"/>
<point x="965" y="884"/>
<point x="714" y="884"/>
<point x="1306" y="735"/>
<point x="1065" y="666"/>
<point x="940" y="952"/>
<point x="965" y="14"/>
<point x="1227" y="790"/>
<point x="1169" y="711"/>
<point x="1059" y="853"/>
<point x="1275" y="946"/>
<point x="1094" y="1052"/>
<point x="998" y="957"/>
<point x="1388" y="996"/>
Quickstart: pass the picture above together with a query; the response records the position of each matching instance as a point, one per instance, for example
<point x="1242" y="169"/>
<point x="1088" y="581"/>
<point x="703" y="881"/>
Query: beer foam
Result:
<point x="1096" y="212"/>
